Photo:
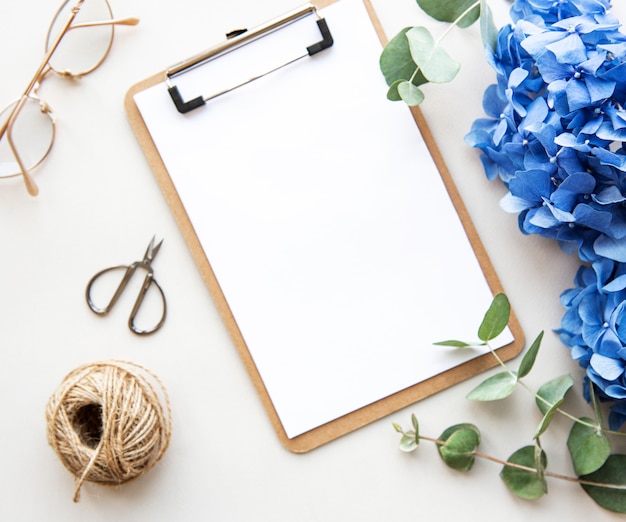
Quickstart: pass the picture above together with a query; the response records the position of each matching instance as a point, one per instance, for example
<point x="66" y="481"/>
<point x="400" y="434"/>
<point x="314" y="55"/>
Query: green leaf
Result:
<point x="496" y="387"/>
<point x="454" y="344"/>
<point x="433" y="61"/>
<point x="588" y="446"/>
<point x="392" y="92"/>
<point x="460" y="443"/>
<point x="408" y="442"/>
<point x="450" y="10"/>
<point x="410" y="439"/>
<point x="488" y="29"/>
<point x="612" y="472"/>
<point x="396" y="62"/>
<point x="496" y="318"/>
<point x="525" y="483"/>
<point x="411" y="94"/>
<point x="529" y="358"/>
<point x="553" y="394"/>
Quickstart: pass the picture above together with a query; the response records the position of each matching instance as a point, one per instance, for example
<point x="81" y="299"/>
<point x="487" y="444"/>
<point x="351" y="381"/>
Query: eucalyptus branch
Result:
<point x="414" y="57"/>
<point x="538" y="397"/>
<point x="514" y="465"/>
<point x="524" y="472"/>
<point x="597" y="425"/>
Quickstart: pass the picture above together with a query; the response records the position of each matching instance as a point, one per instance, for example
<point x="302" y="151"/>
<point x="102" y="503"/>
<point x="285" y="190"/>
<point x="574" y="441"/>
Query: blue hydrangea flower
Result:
<point x="555" y="134"/>
<point x="594" y="329"/>
<point x="555" y="115"/>
<point x="550" y="11"/>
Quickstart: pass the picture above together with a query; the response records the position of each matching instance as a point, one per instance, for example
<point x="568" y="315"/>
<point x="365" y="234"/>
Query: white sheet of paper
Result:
<point x="325" y="221"/>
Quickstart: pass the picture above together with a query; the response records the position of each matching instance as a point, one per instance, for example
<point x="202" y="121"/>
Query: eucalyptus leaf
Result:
<point x="453" y="343"/>
<point x="392" y="92"/>
<point x="528" y="360"/>
<point x="496" y="318"/>
<point x="451" y="10"/>
<point x="588" y="446"/>
<point x="434" y="63"/>
<point x="410" y="94"/>
<point x="496" y="387"/>
<point x="525" y="483"/>
<point x="460" y="443"/>
<point x="488" y="29"/>
<point x="396" y="62"/>
<point x="545" y="422"/>
<point x="612" y="472"/>
<point x="408" y="442"/>
<point x="552" y="394"/>
<point x="415" y="424"/>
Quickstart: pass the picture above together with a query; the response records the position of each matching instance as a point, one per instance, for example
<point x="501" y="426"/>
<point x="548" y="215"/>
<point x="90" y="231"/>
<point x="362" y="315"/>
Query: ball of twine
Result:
<point x="109" y="422"/>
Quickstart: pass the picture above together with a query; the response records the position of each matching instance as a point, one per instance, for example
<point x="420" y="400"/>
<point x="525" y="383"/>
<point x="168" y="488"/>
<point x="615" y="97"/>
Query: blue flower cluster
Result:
<point x="555" y="136"/>
<point x="594" y="328"/>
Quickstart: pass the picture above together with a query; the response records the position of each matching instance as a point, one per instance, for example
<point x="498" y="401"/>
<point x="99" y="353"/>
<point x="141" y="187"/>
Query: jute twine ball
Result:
<point x="109" y="422"/>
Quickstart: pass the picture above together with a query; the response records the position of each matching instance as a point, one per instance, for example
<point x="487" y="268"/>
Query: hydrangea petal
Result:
<point x="607" y="368"/>
<point x="513" y="204"/>
<point x="617" y="284"/>
<point x="578" y="96"/>
<point x="616" y="392"/>
<point x="610" y="195"/>
<point x="607" y="157"/>
<point x="610" y="248"/>
<point x="570" y="49"/>
<point x="599" y="89"/>
<point x="537" y="43"/>
<point x="544" y="218"/>
<point x="592" y="218"/>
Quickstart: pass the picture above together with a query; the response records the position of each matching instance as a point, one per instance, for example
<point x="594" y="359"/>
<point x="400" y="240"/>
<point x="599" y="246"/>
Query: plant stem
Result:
<point x="456" y="22"/>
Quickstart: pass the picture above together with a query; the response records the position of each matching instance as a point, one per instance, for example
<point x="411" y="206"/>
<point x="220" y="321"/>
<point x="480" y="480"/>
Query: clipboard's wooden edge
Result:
<point x="385" y="406"/>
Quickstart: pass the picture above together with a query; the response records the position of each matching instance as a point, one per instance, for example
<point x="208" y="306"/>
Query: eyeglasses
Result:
<point x="78" y="41"/>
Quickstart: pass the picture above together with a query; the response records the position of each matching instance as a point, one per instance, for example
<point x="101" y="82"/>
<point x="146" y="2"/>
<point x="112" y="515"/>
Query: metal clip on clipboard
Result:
<point x="236" y="40"/>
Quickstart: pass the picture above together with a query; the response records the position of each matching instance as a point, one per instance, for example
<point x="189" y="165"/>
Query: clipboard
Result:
<point x="374" y="406"/>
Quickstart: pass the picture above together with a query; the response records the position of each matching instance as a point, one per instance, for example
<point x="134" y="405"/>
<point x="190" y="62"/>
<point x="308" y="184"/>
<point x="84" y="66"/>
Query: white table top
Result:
<point x="100" y="204"/>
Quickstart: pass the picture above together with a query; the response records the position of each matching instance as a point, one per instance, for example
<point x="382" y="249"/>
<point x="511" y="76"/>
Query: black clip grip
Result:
<point x="327" y="38"/>
<point x="183" y="106"/>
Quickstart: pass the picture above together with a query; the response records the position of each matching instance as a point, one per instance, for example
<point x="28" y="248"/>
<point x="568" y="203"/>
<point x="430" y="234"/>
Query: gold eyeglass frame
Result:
<point x="42" y="71"/>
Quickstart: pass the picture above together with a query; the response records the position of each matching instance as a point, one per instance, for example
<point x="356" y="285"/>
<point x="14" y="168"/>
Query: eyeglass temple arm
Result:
<point x="31" y="186"/>
<point x="131" y="20"/>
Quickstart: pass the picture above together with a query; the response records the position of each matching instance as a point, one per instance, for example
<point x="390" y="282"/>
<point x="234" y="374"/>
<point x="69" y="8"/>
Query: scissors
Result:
<point x="146" y="265"/>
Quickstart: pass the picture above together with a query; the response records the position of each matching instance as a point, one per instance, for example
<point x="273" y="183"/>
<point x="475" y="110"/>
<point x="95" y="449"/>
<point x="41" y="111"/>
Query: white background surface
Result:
<point x="100" y="204"/>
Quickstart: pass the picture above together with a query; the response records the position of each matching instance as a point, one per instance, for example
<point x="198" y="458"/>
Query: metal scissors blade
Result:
<point x="151" y="251"/>
<point x="149" y="280"/>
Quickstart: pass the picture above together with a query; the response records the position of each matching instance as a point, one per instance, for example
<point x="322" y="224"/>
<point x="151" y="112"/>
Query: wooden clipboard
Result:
<point x="379" y="408"/>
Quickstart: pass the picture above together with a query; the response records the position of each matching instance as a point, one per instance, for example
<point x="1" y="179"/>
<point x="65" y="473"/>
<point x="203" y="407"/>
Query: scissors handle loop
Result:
<point x="149" y="280"/>
<point x="128" y="273"/>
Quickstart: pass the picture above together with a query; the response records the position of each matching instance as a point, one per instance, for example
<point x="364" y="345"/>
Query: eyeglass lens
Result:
<point x="32" y="135"/>
<point x="84" y="47"/>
